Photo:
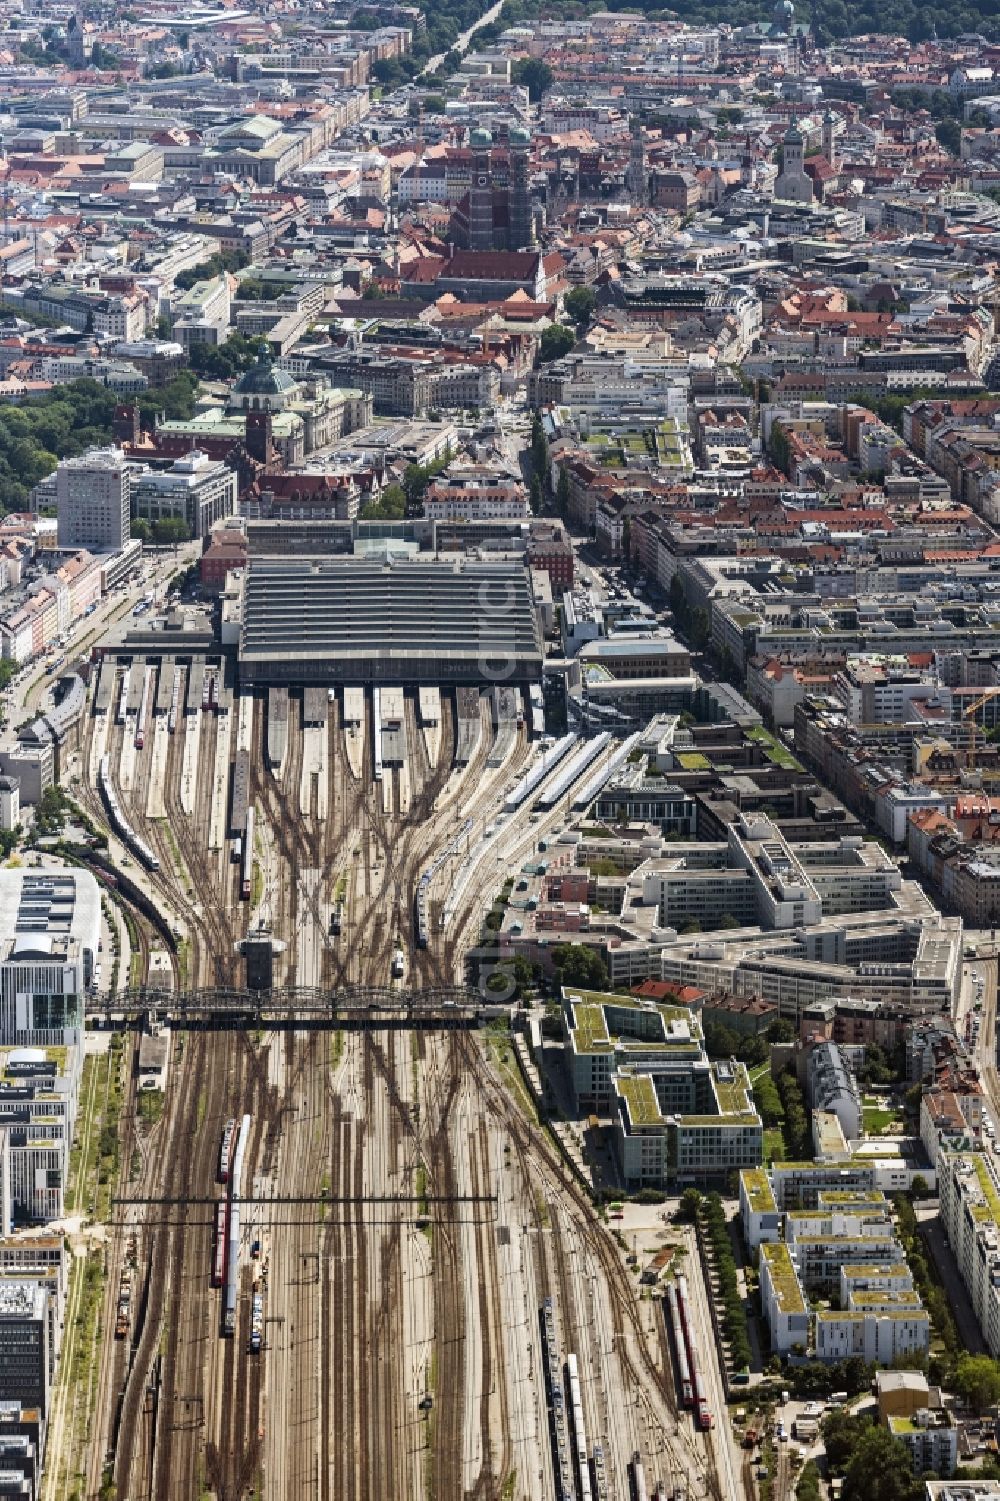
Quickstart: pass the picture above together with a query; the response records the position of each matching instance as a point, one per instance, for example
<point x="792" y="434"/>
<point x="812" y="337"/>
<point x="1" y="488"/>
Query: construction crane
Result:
<point x="974" y="709"/>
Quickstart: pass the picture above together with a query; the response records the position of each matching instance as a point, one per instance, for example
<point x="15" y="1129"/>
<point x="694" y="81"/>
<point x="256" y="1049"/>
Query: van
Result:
<point x="838" y="1399"/>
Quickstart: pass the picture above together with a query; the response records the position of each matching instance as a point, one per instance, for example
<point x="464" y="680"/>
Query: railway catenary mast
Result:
<point x="233" y="1239"/>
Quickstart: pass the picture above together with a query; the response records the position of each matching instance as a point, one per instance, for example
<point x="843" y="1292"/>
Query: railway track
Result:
<point x="644" y="1373"/>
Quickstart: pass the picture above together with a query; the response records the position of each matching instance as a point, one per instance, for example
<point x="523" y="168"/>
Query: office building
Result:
<point x="676" y="1116"/>
<point x="195" y="489"/>
<point x="93" y="497"/>
<point x="50" y="925"/>
<point x="24" y="1344"/>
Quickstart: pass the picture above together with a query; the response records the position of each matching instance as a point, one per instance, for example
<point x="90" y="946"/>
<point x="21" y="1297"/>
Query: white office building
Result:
<point x="50" y="928"/>
<point x="93" y="497"/>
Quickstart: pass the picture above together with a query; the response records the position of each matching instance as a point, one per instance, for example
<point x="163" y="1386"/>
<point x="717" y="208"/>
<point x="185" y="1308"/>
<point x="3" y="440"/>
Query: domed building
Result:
<point x="313" y="412"/>
<point x="264" y="385"/>
<point x="783" y="18"/>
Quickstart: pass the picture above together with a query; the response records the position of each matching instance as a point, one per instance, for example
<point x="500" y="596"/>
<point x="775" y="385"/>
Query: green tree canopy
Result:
<point x="390" y="506"/>
<point x="880" y="1470"/>
<point x="534" y="75"/>
<point x="977" y="1381"/>
<point x="580" y="304"/>
<point x="556" y="341"/>
<point x="576" y="964"/>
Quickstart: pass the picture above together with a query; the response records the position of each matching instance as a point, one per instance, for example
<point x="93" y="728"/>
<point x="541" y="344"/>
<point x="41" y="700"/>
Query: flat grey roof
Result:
<point x="356" y="618"/>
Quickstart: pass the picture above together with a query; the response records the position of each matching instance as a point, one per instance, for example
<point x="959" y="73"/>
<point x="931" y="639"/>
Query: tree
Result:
<point x="949" y="135"/>
<point x="576" y="964"/>
<point x="391" y="505"/>
<point x="537" y="499"/>
<point x="562" y="491"/>
<point x="689" y="1206"/>
<point x="920" y="1188"/>
<point x="556" y="341"/>
<point x="140" y="529"/>
<point x="780" y="1031"/>
<point x="780" y="449"/>
<point x="171" y="530"/>
<point x="222" y="260"/>
<point x="880" y="1470"/>
<point x="768" y="1100"/>
<point x="977" y="1381"/>
<point x="842" y="1433"/>
<point x="534" y="75"/>
<point x="580" y="304"/>
<point x="223" y="361"/>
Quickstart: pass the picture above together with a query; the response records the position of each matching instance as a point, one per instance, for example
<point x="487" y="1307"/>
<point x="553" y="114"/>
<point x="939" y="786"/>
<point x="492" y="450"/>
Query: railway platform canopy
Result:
<point x="388" y="620"/>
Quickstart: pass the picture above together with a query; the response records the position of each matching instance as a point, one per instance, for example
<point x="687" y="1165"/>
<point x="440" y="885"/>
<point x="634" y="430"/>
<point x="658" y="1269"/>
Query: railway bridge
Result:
<point x="445" y="1005"/>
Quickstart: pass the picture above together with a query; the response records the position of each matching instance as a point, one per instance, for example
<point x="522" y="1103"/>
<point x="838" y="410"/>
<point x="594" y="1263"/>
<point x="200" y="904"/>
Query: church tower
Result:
<point x="481" y="191"/>
<point x="75" y="51"/>
<point x="259" y="434"/>
<point x="830" y="122"/>
<point x="522" y="229"/>
<point x="794" y="185"/>
<point x="635" y="178"/>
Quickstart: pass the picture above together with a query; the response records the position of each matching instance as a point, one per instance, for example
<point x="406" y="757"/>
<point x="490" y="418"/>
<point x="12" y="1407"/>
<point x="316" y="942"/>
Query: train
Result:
<point x="699" y="1399"/>
<point x="119" y="822"/>
<point x="377" y="736"/>
<point x="219" y="1245"/>
<point x="421" y="909"/>
<point x="562" y="1466"/>
<point x="256" y="1323"/>
<point x="123" y="1318"/>
<point x="680" y="1350"/>
<point x="175" y="698"/>
<point x="226" y="1150"/>
<point x="140" y="725"/>
<point x="638" y="1477"/>
<point x="206" y="692"/>
<point x="123" y="696"/>
<point x="398" y="967"/>
<point x="579" y="1429"/>
<point x="336" y="919"/>
<point x="232" y="1277"/>
<point x="246" y="858"/>
<point x="600" y="1474"/>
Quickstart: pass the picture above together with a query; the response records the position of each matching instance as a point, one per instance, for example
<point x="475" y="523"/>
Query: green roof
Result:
<point x="988" y="1187"/>
<point x="784" y="1278"/>
<point x="639" y="1095"/>
<point x="591" y="1031"/>
<point x="759" y="1193"/>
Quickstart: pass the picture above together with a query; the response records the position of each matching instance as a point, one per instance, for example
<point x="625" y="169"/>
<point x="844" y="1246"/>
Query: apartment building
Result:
<point x="969" y="1196"/>
<point x="843" y="1243"/>
<point x="832" y="1087"/>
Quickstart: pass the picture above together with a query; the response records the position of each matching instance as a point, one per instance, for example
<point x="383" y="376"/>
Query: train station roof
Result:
<point x="388" y="620"/>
